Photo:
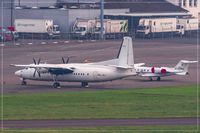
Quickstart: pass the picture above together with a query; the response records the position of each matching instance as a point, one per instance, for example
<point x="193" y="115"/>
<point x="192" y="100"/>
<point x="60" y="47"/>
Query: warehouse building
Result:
<point x="65" y="12"/>
<point x="144" y="9"/>
<point x="193" y="6"/>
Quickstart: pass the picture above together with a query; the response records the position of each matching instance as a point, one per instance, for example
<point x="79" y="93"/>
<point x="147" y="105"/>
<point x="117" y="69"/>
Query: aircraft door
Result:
<point x="96" y="75"/>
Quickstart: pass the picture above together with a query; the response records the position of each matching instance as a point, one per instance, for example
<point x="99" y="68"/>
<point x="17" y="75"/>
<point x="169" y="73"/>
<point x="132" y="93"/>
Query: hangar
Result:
<point x="64" y="13"/>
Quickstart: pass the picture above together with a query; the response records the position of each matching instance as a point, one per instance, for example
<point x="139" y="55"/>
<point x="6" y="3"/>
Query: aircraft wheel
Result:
<point x="24" y="83"/>
<point x="56" y="85"/>
<point x="158" y="79"/>
<point x="84" y="84"/>
<point x="150" y="78"/>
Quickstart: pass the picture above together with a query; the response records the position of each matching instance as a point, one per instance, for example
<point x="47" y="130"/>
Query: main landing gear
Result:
<point x="56" y="84"/>
<point x="158" y="78"/>
<point x="84" y="84"/>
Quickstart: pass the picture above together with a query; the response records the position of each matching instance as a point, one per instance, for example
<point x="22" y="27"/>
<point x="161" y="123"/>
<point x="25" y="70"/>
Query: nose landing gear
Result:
<point x="23" y="81"/>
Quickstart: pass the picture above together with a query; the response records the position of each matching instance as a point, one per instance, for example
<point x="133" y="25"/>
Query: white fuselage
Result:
<point x="82" y="73"/>
<point x="157" y="72"/>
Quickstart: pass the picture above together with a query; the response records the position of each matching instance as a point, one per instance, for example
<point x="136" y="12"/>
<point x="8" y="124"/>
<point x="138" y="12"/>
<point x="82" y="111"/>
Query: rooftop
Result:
<point x="135" y="6"/>
<point x="143" y="6"/>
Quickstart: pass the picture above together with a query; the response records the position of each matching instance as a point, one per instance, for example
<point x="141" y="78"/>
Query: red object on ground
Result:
<point x="11" y="28"/>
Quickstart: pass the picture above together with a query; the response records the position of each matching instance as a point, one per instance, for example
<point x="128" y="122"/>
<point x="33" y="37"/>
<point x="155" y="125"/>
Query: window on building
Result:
<point x="190" y="2"/>
<point x="195" y="3"/>
<point x="184" y="2"/>
<point x="180" y="3"/>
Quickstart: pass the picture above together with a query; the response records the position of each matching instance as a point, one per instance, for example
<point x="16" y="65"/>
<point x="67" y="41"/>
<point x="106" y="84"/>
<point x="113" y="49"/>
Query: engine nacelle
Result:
<point x="42" y="70"/>
<point x="158" y="70"/>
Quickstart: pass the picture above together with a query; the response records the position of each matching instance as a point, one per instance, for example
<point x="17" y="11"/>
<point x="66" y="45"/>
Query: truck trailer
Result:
<point x="156" y="27"/>
<point x="189" y="25"/>
<point x="112" y="28"/>
<point x="44" y="27"/>
<point x="84" y="28"/>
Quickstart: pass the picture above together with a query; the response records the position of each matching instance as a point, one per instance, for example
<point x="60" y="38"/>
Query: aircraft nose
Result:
<point x="18" y="73"/>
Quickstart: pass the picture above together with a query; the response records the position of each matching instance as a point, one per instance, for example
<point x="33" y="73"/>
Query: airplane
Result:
<point x="114" y="69"/>
<point x="180" y="69"/>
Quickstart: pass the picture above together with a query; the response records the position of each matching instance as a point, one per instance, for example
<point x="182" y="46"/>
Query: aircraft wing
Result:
<point x="52" y="68"/>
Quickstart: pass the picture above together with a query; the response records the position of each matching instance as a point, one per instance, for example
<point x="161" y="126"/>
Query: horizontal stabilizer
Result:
<point x="139" y="64"/>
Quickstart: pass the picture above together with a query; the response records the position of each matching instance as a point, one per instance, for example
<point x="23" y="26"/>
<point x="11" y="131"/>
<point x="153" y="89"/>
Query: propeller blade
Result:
<point x="67" y="60"/>
<point x="34" y="61"/>
<point x="63" y="60"/>
<point x="39" y="61"/>
<point x="34" y="73"/>
<point x="39" y="74"/>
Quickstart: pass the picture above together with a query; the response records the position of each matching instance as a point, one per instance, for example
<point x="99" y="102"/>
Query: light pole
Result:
<point x="11" y="12"/>
<point x="19" y="3"/>
<point x="102" y="18"/>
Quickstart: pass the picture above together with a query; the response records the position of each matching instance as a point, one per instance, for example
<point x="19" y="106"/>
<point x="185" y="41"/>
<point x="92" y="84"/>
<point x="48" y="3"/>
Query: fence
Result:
<point x="67" y="37"/>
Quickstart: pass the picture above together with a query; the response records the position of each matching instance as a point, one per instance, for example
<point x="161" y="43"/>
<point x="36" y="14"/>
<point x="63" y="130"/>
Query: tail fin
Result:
<point x="184" y="65"/>
<point x="125" y="55"/>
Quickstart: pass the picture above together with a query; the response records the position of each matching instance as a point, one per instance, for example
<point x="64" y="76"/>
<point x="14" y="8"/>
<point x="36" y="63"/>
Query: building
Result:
<point x="6" y="9"/>
<point x="65" y="12"/>
<point x="34" y="3"/>
<point x="64" y="17"/>
<point x="143" y="9"/>
<point x="193" y="6"/>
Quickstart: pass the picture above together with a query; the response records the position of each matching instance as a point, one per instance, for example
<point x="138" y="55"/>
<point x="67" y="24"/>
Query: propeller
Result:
<point x="66" y="61"/>
<point x="36" y="63"/>
<point x="36" y="70"/>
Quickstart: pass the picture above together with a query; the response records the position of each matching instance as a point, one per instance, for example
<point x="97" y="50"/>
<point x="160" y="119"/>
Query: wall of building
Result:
<point x="5" y="13"/>
<point x="65" y="18"/>
<point x="60" y="17"/>
<point x="5" y="17"/>
<point x="193" y="6"/>
<point x="76" y="1"/>
<point x="175" y="2"/>
<point x="35" y="3"/>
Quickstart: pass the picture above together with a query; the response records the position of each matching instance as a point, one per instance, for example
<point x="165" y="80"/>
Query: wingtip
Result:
<point x="12" y="65"/>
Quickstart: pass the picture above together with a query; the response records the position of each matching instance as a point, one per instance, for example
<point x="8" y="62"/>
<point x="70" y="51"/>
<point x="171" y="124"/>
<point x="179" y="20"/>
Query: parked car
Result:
<point x="8" y="34"/>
